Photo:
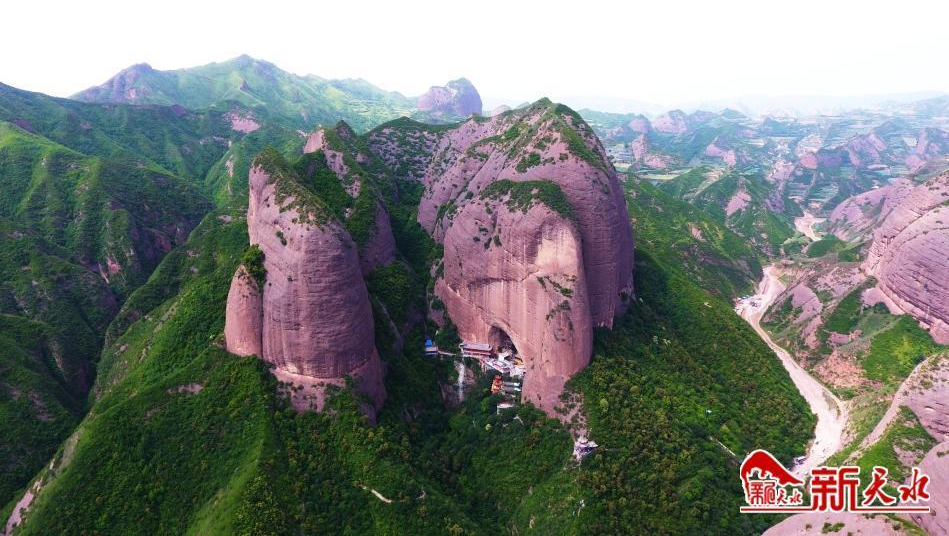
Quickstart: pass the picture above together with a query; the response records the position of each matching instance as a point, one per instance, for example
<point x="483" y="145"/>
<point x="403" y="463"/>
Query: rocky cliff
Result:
<point x="315" y="322"/>
<point x="926" y="394"/>
<point x="909" y="254"/>
<point x="931" y="143"/>
<point x="244" y="316"/>
<point x="457" y="98"/>
<point x="858" y="216"/>
<point x="361" y="210"/>
<point x="537" y="240"/>
<point x="543" y="142"/>
<point x="514" y="268"/>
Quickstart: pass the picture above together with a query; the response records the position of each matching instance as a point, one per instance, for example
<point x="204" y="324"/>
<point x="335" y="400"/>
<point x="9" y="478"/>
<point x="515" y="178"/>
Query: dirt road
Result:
<point x="831" y="412"/>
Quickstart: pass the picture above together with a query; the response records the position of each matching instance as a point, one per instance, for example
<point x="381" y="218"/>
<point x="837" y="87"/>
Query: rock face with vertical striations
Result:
<point x="522" y="278"/>
<point x="538" y="248"/>
<point x="316" y="320"/>
<point x="536" y="236"/>
<point x="928" y="397"/>
<point x="548" y="142"/>
<point x="909" y="254"/>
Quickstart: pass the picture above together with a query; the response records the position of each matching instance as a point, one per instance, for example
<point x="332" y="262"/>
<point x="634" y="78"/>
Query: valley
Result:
<point x="805" y="225"/>
<point x="831" y="412"/>
<point x="236" y="299"/>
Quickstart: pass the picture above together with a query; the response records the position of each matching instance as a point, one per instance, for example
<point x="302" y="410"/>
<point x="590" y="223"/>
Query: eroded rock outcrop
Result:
<point x="514" y="267"/>
<point x="457" y="98"/>
<point x="644" y="155"/>
<point x="537" y="240"/>
<point x="543" y="142"/>
<point x="315" y="318"/>
<point x="910" y="254"/>
<point x="244" y="316"/>
<point x="936" y="464"/>
<point x="931" y="143"/>
<point x="926" y="394"/>
<point x="857" y="216"/>
<point x="364" y="212"/>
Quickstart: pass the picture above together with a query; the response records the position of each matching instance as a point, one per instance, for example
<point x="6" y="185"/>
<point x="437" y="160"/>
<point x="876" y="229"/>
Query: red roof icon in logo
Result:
<point x="766" y="466"/>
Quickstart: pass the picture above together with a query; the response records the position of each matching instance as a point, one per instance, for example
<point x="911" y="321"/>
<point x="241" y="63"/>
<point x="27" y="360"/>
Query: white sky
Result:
<point x="663" y="51"/>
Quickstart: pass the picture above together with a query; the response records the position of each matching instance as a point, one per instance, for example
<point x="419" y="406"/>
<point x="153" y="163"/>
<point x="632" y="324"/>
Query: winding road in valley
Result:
<point x="831" y="412"/>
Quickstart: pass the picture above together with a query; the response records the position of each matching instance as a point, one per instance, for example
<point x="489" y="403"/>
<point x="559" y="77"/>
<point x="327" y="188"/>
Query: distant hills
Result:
<point x="301" y="101"/>
<point x="760" y="105"/>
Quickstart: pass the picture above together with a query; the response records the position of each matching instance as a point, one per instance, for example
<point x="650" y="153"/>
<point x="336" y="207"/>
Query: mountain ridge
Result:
<point x="303" y="101"/>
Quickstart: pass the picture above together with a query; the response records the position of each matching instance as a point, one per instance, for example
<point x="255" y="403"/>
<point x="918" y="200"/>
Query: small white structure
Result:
<point x="503" y="367"/>
<point x="582" y="447"/>
<point x="511" y="388"/>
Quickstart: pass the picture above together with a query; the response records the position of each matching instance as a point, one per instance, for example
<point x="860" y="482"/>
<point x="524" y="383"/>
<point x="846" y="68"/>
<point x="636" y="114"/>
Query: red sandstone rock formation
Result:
<point x="457" y="98"/>
<point x="316" y="321"/>
<point x="856" y="217"/>
<point x="468" y="159"/>
<point x="378" y="248"/>
<point x="643" y="155"/>
<point x="242" y="122"/>
<point x="910" y="254"/>
<point x="927" y="395"/>
<point x="568" y="227"/>
<point x="244" y="316"/>
<point x="524" y="278"/>
<point x="930" y="144"/>
<point x="936" y="465"/>
<point x="727" y="154"/>
<point x="640" y="124"/>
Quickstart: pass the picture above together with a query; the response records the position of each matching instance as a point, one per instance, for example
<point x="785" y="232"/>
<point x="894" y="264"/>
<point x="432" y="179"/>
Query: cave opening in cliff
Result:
<point x="499" y="338"/>
<point x="501" y="341"/>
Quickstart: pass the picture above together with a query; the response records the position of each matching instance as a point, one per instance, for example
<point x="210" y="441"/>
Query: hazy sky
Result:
<point x="661" y="51"/>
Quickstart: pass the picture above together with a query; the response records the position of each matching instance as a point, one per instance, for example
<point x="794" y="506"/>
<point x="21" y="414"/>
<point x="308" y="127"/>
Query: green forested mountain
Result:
<point x="183" y="437"/>
<point x="738" y="200"/>
<point x="179" y="141"/>
<point x="91" y="199"/>
<point x="687" y="240"/>
<point x="189" y="438"/>
<point x="79" y="233"/>
<point x="303" y="101"/>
